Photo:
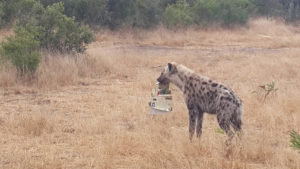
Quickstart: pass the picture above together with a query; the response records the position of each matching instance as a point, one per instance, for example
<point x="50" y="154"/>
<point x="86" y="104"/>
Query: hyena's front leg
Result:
<point x="199" y="124"/>
<point x="192" y="123"/>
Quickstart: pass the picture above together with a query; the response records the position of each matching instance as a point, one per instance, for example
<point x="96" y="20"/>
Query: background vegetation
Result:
<point x="60" y="25"/>
<point x="295" y="139"/>
<point x="148" y="13"/>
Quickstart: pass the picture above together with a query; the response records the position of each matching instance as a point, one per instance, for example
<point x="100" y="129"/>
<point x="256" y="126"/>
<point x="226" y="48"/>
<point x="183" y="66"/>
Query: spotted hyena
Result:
<point x="202" y="94"/>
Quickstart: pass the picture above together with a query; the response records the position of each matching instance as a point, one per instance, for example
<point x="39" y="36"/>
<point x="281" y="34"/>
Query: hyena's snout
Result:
<point x="163" y="80"/>
<point x="160" y="79"/>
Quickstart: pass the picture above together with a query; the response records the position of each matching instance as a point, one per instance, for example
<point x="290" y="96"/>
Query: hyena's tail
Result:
<point x="236" y="119"/>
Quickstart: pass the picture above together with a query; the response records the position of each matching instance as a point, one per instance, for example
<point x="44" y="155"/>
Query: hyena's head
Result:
<point x="168" y="74"/>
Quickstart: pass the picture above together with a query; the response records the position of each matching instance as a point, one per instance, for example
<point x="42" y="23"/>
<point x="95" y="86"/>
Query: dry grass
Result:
<point x="260" y="33"/>
<point x="94" y="113"/>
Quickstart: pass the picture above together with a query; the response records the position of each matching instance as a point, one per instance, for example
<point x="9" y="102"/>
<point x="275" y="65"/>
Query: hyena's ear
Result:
<point x="172" y="67"/>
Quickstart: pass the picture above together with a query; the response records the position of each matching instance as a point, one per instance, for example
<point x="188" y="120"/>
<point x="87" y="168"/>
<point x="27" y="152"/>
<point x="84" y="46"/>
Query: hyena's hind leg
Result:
<point x="236" y="122"/>
<point x="224" y="123"/>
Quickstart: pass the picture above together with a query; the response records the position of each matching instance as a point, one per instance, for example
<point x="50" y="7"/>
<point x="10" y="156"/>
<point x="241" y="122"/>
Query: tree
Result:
<point x="23" y="51"/>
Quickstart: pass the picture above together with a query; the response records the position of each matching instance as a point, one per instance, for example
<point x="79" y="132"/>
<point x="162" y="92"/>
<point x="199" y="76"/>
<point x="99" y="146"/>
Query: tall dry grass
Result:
<point x="260" y="32"/>
<point x="96" y="115"/>
<point x="55" y="70"/>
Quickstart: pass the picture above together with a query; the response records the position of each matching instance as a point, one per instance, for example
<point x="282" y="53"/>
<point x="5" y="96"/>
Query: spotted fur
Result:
<point x="203" y="95"/>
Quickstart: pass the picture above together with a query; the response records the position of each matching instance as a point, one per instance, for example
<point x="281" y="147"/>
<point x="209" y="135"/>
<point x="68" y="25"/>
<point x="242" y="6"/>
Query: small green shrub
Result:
<point x="52" y="28"/>
<point x="61" y="32"/>
<point x="295" y="140"/>
<point x="23" y="51"/>
<point x="178" y="14"/>
<point x="268" y="89"/>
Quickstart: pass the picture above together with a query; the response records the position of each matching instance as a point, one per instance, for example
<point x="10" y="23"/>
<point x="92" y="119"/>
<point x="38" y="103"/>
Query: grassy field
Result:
<point x="92" y="111"/>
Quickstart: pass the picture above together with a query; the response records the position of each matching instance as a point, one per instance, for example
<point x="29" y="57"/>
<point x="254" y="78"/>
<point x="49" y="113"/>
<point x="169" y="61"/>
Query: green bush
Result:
<point x="61" y="32"/>
<point x="295" y="139"/>
<point x="235" y="11"/>
<point x="178" y="14"/>
<point x="53" y="29"/>
<point x="206" y="12"/>
<point x="226" y="12"/>
<point x="38" y="27"/>
<point x="23" y="51"/>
